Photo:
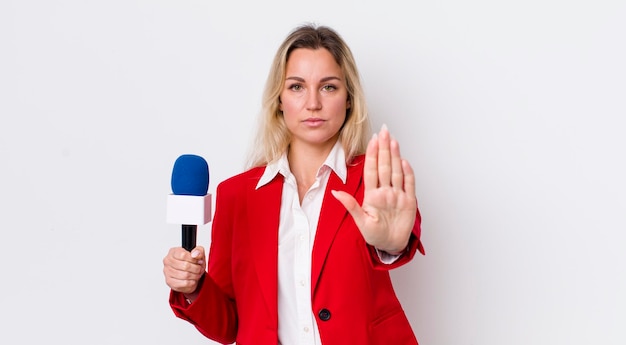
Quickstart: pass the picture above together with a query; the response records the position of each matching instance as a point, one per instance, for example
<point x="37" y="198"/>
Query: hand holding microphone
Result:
<point x="188" y="205"/>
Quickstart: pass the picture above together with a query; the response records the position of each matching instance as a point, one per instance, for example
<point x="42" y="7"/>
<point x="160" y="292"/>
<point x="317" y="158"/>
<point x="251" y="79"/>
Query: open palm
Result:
<point x="389" y="207"/>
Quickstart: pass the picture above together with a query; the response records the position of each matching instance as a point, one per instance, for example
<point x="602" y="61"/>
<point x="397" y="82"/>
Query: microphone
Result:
<point x="189" y="204"/>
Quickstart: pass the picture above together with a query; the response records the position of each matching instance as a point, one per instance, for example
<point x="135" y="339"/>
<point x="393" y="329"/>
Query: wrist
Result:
<point x="395" y="251"/>
<point x="190" y="297"/>
<point x="392" y="252"/>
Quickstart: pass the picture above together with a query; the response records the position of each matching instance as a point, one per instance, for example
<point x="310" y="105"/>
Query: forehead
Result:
<point x="306" y="60"/>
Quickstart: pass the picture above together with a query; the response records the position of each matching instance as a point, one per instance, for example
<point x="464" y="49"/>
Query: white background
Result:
<point x="511" y="112"/>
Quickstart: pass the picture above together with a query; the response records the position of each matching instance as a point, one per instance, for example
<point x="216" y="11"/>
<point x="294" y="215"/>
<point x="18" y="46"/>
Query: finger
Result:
<point x="182" y="270"/>
<point x="397" y="174"/>
<point x="178" y="274"/>
<point x="174" y="261"/>
<point x="370" y="168"/>
<point x="384" y="158"/>
<point x="198" y="254"/>
<point x="182" y="285"/>
<point x="353" y="207"/>
<point x="178" y="253"/>
<point x="195" y="256"/>
<point x="409" y="179"/>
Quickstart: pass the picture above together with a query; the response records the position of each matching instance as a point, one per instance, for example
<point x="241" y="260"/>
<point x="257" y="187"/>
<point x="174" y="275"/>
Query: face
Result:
<point x="314" y="99"/>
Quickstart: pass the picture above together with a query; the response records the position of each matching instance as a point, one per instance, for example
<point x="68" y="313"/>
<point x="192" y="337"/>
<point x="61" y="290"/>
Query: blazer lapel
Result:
<point x="264" y="210"/>
<point x="332" y="215"/>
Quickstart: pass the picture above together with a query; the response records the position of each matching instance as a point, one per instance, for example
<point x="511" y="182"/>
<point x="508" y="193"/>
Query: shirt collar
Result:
<point x="336" y="161"/>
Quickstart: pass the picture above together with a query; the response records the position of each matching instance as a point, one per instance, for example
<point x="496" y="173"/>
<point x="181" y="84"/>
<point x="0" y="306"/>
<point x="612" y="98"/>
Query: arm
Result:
<point x="213" y="309"/>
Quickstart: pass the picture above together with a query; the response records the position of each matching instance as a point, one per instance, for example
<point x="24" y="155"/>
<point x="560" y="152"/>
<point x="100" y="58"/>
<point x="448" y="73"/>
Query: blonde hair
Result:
<point x="272" y="137"/>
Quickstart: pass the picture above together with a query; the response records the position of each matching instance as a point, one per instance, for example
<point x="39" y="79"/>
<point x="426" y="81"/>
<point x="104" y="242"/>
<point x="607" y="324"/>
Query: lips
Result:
<point x="314" y="120"/>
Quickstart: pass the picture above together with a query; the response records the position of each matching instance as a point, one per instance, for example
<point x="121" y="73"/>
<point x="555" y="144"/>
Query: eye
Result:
<point x="295" y="87"/>
<point x="329" y="87"/>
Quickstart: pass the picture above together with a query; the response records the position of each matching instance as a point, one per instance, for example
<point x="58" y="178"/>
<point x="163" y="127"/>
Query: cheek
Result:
<point x="340" y="107"/>
<point x="289" y="113"/>
<point x="291" y="105"/>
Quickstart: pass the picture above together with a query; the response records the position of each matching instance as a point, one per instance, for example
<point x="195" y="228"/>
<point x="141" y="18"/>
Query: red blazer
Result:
<point x="352" y="296"/>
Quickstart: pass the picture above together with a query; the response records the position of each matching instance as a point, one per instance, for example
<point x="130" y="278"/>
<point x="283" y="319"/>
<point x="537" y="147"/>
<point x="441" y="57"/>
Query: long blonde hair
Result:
<point x="272" y="137"/>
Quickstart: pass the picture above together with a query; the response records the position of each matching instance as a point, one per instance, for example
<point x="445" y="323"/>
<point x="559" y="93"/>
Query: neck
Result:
<point x="305" y="161"/>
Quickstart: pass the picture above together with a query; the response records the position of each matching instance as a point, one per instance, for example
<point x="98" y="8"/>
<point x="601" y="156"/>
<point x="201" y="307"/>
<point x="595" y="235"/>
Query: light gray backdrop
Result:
<point x="511" y="112"/>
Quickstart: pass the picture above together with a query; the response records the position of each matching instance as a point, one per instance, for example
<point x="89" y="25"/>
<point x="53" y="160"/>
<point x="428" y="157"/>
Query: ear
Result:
<point x="348" y="104"/>
<point x="280" y="104"/>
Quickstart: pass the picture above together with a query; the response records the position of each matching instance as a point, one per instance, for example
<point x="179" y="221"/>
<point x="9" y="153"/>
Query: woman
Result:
<point x="303" y="241"/>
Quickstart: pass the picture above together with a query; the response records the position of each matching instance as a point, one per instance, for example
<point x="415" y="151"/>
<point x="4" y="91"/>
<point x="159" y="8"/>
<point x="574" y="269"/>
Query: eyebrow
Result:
<point x="323" y="80"/>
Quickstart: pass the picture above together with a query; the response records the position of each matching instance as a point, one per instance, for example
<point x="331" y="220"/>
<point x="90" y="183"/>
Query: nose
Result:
<point x="313" y="101"/>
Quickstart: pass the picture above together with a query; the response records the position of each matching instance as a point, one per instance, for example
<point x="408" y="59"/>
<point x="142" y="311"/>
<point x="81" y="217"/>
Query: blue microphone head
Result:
<point x="190" y="176"/>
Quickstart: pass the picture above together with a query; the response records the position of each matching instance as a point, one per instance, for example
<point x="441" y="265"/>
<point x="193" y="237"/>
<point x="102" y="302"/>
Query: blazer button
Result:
<point x="324" y="314"/>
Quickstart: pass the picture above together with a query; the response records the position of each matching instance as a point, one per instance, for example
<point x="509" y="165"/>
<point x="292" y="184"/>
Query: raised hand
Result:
<point x="387" y="215"/>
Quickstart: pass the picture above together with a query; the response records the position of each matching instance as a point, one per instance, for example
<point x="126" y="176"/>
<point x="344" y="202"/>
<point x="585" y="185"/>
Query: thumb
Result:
<point x="353" y="207"/>
<point x="198" y="253"/>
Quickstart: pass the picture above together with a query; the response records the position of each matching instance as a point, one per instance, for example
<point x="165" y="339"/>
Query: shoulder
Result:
<point x="242" y="180"/>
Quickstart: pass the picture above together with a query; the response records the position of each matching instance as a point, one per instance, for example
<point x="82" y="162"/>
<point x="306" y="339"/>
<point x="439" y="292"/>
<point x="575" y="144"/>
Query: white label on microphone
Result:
<point x="188" y="209"/>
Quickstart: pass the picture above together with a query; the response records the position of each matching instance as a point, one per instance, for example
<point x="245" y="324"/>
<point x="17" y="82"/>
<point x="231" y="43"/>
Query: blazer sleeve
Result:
<point x="212" y="313"/>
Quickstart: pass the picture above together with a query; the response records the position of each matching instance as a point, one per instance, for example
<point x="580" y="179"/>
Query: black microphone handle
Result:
<point x="189" y="236"/>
